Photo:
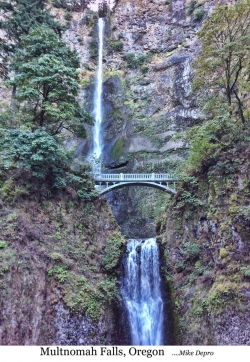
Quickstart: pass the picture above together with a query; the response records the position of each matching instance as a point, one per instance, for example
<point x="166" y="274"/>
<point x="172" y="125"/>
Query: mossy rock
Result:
<point x="117" y="149"/>
<point x="223" y="253"/>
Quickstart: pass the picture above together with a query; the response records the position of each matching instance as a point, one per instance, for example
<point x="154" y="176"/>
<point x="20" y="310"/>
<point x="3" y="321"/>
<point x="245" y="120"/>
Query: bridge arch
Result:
<point x="115" y="186"/>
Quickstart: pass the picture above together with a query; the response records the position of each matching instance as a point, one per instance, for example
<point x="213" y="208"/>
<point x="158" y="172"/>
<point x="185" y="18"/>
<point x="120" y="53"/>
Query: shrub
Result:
<point x="198" y="14"/>
<point x="133" y="61"/>
<point x="68" y="16"/>
<point x="3" y="244"/>
<point x="144" y="68"/>
<point x="84" y="186"/>
<point x="192" y="6"/>
<point x="196" y="10"/>
<point x="191" y="251"/>
<point x="93" y="48"/>
<point x="246" y="271"/>
<point x="116" y="45"/>
<point x="35" y="151"/>
<point x="57" y="3"/>
<point x="59" y="272"/>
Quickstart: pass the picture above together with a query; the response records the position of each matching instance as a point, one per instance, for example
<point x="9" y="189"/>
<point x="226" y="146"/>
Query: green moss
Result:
<point x="222" y="294"/>
<point x="11" y="192"/>
<point x="85" y="82"/>
<point x="118" y="148"/>
<point x="3" y="244"/>
<point x="113" y="72"/>
<point x="223" y="253"/>
<point x="113" y="252"/>
<point x="8" y="258"/>
<point x="90" y="296"/>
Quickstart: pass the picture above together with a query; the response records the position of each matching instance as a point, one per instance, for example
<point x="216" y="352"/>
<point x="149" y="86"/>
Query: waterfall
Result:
<point x="141" y="292"/>
<point x="97" y="149"/>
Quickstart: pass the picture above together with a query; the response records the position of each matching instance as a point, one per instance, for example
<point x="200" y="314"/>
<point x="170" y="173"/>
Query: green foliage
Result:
<point x="11" y="192"/>
<point x="35" y="151"/>
<point x="47" y="83"/>
<point x="116" y="45"/>
<point x="90" y="298"/>
<point x="245" y="271"/>
<point x="24" y="15"/>
<point x="187" y="197"/>
<point x="191" y="251"/>
<point x="57" y="3"/>
<point x="144" y="68"/>
<point x="133" y="61"/>
<point x="105" y="292"/>
<point x="93" y="48"/>
<point x="6" y="6"/>
<point x="205" y="140"/>
<point x="8" y="258"/>
<point x="59" y="272"/>
<point x="198" y="14"/>
<point x="223" y="253"/>
<point x="3" y="244"/>
<point x="221" y="75"/>
<point x="84" y="186"/>
<point x="191" y="7"/>
<point x="68" y="16"/>
<point x="196" y="10"/>
<point x="113" y="252"/>
<point x="223" y="293"/>
<point x="117" y="149"/>
<point x="87" y="194"/>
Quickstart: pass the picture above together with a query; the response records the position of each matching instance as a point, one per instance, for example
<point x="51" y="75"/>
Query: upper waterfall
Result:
<point x="97" y="112"/>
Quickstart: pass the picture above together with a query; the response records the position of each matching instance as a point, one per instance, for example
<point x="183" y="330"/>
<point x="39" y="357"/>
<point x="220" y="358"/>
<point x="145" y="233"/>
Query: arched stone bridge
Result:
<point x="109" y="182"/>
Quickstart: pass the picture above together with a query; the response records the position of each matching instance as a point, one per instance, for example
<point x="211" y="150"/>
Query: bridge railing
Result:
<point x="135" y="177"/>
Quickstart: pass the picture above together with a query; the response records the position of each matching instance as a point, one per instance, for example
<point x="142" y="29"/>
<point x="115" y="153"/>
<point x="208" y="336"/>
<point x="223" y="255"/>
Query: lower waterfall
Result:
<point x="141" y="292"/>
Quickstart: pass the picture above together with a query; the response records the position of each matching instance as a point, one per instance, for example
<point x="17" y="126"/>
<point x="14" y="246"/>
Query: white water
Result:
<point x="97" y="149"/>
<point x="142" y="294"/>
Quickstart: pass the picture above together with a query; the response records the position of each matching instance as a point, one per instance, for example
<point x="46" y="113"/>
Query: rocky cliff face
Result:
<point x="205" y="235"/>
<point x="58" y="267"/>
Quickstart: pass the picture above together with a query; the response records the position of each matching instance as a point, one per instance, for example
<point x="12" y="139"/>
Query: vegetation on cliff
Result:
<point x="20" y="16"/>
<point x="60" y="246"/>
<point x="207" y="228"/>
<point x="57" y="248"/>
<point x="47" y="81"/>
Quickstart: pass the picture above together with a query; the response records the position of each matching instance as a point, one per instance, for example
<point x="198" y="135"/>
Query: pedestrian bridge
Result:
<point x="109" y="182"/>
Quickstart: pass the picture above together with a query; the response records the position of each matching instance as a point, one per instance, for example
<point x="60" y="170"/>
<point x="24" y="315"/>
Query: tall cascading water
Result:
<point x="97" y="113"/>
<point x="141" y="292"/>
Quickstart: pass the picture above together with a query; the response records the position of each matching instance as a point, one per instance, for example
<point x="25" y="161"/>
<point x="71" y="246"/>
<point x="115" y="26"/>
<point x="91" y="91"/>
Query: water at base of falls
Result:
<point x="141" y="292"/>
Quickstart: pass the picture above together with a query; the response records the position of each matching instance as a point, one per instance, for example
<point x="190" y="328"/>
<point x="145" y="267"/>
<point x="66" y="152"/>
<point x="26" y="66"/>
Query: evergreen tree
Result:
<point x="222" y="67"/>
<point x="47" y="84"/>
<point x="19" y="17"/>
